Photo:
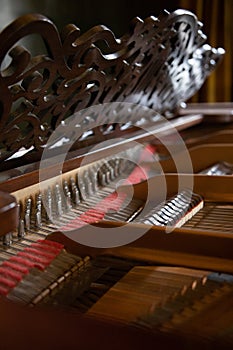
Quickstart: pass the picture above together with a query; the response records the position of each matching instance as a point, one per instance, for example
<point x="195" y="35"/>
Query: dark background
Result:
<point x="86" y="13"/>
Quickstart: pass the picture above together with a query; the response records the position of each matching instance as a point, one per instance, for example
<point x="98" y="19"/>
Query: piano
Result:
<point x="116" y="198"/>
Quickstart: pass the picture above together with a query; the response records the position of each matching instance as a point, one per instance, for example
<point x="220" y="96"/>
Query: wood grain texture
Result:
<point x="158" y="63"/>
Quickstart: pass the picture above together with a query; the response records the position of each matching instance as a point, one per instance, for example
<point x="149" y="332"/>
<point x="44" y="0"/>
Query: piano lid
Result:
<point x="157" y="65"/>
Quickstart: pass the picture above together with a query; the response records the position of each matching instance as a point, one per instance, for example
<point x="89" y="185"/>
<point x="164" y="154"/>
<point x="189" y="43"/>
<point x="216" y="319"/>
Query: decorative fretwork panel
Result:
<point x="159" y="63"/>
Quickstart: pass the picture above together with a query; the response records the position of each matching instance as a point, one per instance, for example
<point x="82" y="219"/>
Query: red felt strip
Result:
<point x="39" y="252"/>
<point x="3" y="290"/>
<point x="7" y="282"/>
<point x="22" y="261"/>
<point x="36" y="259"/>
<point x="73" y="225"/>
<point x="8" y="272"/>
<point x="15" y="266"/>
<point x="90" y="217"/>
<point x="27" y="262"/>
<point x="51" y="243"/>
<point x="102" y="206"/>
<point x="89" y="220"/>
<point x="46" y="248"/>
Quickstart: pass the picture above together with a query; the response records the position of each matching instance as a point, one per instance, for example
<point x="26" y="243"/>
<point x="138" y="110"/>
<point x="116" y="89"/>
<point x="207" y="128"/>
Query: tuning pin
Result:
<point x="48" y="204"/>
<point x="88" y="183"/>
<point x="39" y="199"/>
<point x="109" y="171"/>
<point x="112" y="166"/>
<point x="7" y="239"/>
<point x="105" y="174"/>
<point x="100" y="177"/>
<point x="117" y="167"/>
<point x="81" y="187"/>
<point x="93" y="179"/>
<point x="74" y="192"/>
<point x="67" y="195"/>
<point x="29" y="204"/>
<point x="58" y="200"/>
<point x="39" y="204"/>
<point x="27" y="219"/>
<point x="21" y="229"/>
<point x="38" y="219"/>
<point x="27" y="214"/>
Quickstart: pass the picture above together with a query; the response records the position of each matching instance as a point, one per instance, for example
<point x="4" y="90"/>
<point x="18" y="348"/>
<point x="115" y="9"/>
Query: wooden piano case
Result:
<point x="149" y="285"/>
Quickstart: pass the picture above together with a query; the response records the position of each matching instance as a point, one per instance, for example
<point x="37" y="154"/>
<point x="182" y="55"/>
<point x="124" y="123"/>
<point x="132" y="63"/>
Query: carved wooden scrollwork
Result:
<point x="159" y="63"/>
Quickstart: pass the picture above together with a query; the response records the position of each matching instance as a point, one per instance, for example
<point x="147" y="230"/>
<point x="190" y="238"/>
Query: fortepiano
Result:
<point x="116" y="197"/>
